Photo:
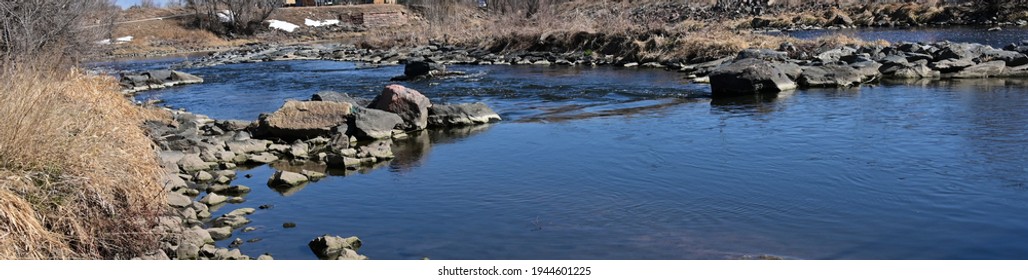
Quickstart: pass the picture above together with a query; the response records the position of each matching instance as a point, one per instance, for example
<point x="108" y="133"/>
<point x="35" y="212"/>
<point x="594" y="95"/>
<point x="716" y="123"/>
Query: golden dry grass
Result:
<point x="78" y="177"/>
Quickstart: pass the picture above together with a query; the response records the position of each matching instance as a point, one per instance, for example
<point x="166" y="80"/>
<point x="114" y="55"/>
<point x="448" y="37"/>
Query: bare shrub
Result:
<point x="60" y="30"/>
<point x="233" y="17"/>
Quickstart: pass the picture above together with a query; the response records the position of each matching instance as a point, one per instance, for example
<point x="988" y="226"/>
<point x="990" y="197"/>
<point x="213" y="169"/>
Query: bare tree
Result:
<point x="233" y="17"/>
<point x="147" y="4"/>
<point x="54" y="30"/>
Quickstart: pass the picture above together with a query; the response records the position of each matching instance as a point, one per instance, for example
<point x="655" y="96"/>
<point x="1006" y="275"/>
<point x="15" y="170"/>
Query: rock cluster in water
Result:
<point x="155" y="79"/>
<point x="758" y="71"/>
<point x="333" y="130"/>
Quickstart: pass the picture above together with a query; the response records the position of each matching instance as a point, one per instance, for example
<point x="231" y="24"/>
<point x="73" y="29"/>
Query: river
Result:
<point x="614" y="163"/>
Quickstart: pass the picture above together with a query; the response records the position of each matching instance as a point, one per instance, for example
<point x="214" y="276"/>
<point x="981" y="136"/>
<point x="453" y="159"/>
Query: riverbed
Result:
<point x="625" y="163"/>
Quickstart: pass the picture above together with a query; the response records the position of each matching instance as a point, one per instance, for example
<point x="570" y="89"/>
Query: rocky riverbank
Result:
<point x="330" y="131"/>
<point x="762" y="71"/>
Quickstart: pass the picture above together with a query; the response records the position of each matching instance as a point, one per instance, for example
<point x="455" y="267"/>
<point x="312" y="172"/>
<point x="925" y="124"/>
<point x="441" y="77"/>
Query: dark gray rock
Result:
<point x="749" y="76"/>
<point x="332" y="96"/>
<point x="375" y="124"/>
<point x="830" y="76"/>
<point x="982" y="70"/>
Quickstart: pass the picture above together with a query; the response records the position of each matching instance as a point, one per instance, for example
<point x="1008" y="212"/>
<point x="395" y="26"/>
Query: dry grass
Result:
<point x="78" y="177"/>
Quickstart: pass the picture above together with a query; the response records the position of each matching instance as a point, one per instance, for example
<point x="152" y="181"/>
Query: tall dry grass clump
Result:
<point x="78" y="177"/>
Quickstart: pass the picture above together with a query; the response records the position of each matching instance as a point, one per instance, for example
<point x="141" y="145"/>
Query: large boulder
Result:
<point x="917" y="70"/>
<point x="409" y="104"/>
<point x="374" y="123"/>
<point x="305" y="119"/>
<point x="749" y="76"/>
<point x="461" y="114"/>
<point x="1011" y="58"/>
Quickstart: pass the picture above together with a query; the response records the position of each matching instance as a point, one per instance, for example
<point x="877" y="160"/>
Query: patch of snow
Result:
<point x="124" y="39"/>
<point x="282" y="25"/>
<point x="104" y="42"/>
<point x="320" y="23"/>
<point x="225" y="16"/>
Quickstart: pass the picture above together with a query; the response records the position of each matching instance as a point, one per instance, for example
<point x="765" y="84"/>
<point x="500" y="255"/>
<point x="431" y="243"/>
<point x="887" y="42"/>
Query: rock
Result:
<point x="279" y="148"/>
<point x="264" y="257"/>
<point x="759" y="22"/>
<point x="375" y="124"/>
<point x="249" y="229"/>
<point x="286" y="178"/>
<point x="407" y="103"/>
<point x="381" y="149"/>
<point x="192" y="163"/>
<point x="951" y="64"/>
<point x="222" y="179"/>
<point x="953" y="51"/>
<point x="332" y="247"/>
<point x="263" y="158"/>
<point x="173" y="182"/>
<point x="236" y="243"/>
<point x="983" y="70"/>
<point x="248" y="146"/>
<point x="236" y="200"/>
<point x="337" y="97"/>
<point x="343" y="161"/>
<point x="917" y="70"/>
<point x="1012" y="59"/>
<point x="241" y="212"/>
<point x="835" y="55"/>
<point x="232" y="221"/>
<point x="178" y="200"/>
<point x="313" y="175"/>
<point x="288" y="225"/>
<point x="203" y="176"/>
<point x="187" y="252"/>
<point x="234" y="190"/>
<point x="234" y="125"/>
<point x="299" y="150"/>
<point x="226" y="254"/>
<point x="196" y="236"/>
<point x="749" y="76"/>
<point x="213" y="199"/>
<point x="461" y="114"/>
<point x="220" y="233"/>
<point x="830" y="76"/>
<point x="840" y="18"/>
<point x="305" y="119"/>
<point x="421" y="68"/>
<point x="764" y="54"/>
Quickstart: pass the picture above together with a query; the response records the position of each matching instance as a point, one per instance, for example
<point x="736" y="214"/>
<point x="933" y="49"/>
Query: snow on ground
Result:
<point x="282" y="25"/>
<point x="319" y="23"/>
<point x="125" y="39"/>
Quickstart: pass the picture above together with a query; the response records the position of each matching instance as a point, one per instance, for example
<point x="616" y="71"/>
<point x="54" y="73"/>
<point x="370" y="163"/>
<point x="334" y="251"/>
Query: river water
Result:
<point x="610" y="163"/>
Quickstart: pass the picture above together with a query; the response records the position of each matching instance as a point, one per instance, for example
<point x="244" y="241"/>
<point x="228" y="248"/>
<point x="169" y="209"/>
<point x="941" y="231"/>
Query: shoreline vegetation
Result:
<point x="86" y="174"/>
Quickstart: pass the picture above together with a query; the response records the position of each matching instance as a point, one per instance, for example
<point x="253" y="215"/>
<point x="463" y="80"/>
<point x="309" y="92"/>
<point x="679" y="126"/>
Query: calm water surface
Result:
<point x="605" y="163"/>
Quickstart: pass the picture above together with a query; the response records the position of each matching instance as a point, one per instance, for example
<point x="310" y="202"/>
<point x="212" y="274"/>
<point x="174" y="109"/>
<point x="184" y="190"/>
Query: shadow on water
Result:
<point x="756" y="104"/>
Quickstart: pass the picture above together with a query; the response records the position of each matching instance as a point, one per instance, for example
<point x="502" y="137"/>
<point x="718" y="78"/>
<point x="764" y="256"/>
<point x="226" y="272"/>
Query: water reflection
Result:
<point x="756" y="104"/>
<point x="408" y="154"/>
